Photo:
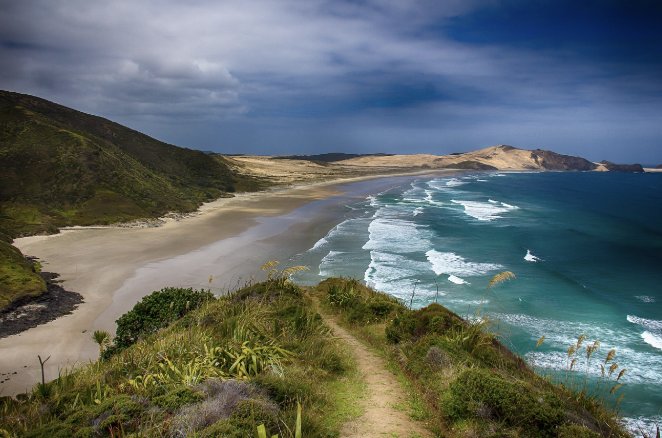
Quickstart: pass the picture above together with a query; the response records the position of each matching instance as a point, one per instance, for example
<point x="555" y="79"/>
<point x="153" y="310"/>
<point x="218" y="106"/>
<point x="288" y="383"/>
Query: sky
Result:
<point x="267" y="77"/>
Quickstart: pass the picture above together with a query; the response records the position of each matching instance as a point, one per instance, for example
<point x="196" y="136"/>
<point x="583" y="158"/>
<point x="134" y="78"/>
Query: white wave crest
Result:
<point x="530" y="257"/>
<point x="484" y="211"/>
<point x="320" y="243"/>
<point x="452" y="264"/>
<point x="651" y="339"/>
<point x="457" y="280"/>
<point x="645" y="299"/>
<point x="394" y="274"/>
<point x="650" y="324"/>
<point x="396" y="236"/>
<point x="418" y="211"/>
<point x="454" y="182"/>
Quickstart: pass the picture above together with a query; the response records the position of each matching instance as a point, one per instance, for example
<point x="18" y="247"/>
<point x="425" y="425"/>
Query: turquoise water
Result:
<point x="586" y="249"/>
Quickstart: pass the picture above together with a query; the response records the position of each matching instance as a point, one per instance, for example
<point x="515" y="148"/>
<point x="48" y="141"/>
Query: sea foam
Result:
<point x="650" y="324"/>
<point x="396" y="236"/>
<point x="456" y="266"/>
<point x="484" y="211"/>
<point x="457" y="280"/>
<point x="651" y="339"/>
<point x="530" y="257"/>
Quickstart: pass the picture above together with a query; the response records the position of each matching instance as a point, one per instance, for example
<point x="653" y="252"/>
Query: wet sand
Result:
<point x="113" y="268"/>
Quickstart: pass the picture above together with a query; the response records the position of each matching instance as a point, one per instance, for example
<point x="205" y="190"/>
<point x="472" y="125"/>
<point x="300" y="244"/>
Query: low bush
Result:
<point x="156" y="311"/>
<point x="482" y="393"/>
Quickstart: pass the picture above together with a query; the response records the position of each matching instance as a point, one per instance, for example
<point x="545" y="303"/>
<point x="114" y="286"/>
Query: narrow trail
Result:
<point x="380" y="418"/>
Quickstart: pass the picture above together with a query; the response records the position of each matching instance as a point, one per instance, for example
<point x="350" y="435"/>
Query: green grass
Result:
<point x="18" y="278"/>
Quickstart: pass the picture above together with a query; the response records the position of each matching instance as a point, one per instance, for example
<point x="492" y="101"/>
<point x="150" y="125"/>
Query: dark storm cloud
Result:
<point x="285" y="77"/>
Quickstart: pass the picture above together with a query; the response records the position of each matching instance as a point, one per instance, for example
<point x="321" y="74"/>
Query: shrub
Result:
<point x="401" y="327"/>
<point x="173" y="400"/>
<point x="486" y="394"/>
<point x="156" y="311"/>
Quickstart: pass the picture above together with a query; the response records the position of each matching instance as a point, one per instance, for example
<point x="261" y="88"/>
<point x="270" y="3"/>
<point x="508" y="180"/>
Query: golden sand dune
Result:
<point x="292" y="171"/>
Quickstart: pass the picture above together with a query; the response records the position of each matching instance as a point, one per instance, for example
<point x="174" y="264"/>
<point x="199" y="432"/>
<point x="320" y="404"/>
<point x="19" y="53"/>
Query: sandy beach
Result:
<point x="113" y="268"/>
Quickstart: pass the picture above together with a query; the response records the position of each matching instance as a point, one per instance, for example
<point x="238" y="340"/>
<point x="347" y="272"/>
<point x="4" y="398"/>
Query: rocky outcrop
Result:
<point x="628" y="168"/>
<point x="549" y="160"/>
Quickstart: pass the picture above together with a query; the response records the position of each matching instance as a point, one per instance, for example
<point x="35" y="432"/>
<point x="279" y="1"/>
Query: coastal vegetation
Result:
<point x="263" y="359"/>
<point x="18" y="277"/>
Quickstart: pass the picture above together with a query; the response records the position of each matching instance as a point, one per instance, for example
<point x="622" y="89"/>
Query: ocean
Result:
<point x="586" y="248"/>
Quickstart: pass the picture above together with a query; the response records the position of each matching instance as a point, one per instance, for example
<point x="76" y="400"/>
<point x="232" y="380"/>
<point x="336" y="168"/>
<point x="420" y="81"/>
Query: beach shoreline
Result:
<point x="114" y="267"/>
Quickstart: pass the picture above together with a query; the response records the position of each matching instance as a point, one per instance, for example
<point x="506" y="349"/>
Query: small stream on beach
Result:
<point x="586" y="249"/>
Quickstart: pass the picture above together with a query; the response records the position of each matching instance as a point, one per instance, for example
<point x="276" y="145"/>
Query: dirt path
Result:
<point x="381" y="418"/>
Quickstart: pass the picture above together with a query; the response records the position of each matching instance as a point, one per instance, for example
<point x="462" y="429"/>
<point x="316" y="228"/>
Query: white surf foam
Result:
<point x="454" y="182"/>
<point x="418" y="211"/>
<point x="651" y="339"/>
<point x="373" y="201"/>
<point x="396" y="236"/>
<point x="457" y="280"/>
<point x="394" y="274"/>
<point x="650" y="324"/>
<point x="320" y="243"/>
<point x="530" y="257"/>
<point x="484" y="211"/>
<point x="645" y="298"/>
<point x="452" y="264"/>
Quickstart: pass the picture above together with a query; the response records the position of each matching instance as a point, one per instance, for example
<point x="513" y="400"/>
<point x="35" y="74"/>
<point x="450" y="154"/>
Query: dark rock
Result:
<point x="33" y="311"/>
<point x="628" y="168"/>
<point x="471" y="165"/>
<point x="549" y="160"/>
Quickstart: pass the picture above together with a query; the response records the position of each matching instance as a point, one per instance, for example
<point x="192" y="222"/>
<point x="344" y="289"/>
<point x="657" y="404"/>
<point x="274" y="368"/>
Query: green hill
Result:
<point x="64" y="167"/>
<point x="224" y="367"/>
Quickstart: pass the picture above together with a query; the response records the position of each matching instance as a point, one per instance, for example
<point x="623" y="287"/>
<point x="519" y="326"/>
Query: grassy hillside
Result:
<point x="223" y="367"/>
<point x="63" y="167"/>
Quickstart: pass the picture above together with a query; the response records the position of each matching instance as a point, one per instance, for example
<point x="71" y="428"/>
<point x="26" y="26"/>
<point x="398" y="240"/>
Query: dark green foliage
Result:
<point x="174" y="400"/>
<point x="230" y="428"/>
<point x="156" y="311"/>
<point x="486" y="394"/>
<point x="575" y="431"/>
<point x="360" y="303"/>
<point x="286" y="392"/>
<point x="256" y="412"/>
<point x="271" y="290"/>
<point x="401" y="327"/>
<point x="414" y="324"/>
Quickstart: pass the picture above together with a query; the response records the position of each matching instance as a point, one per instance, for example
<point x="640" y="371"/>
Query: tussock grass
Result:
<point x="224" y="368"/>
